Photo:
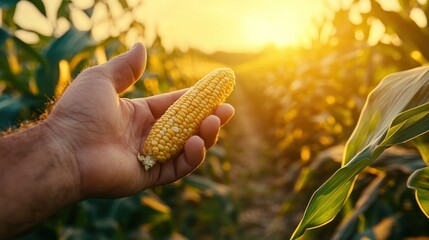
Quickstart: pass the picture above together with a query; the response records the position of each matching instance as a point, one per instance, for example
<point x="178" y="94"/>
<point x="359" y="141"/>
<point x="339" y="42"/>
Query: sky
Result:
<point x="233" y="25"/>
<point x="210" y="25"/>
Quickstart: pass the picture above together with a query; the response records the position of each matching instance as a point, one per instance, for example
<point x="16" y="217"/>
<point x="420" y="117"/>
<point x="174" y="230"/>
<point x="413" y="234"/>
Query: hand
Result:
<point x="105" y="133"/>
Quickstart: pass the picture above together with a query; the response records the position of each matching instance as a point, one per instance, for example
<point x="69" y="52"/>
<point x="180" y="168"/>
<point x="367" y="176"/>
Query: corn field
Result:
<point x="329" y="141"/>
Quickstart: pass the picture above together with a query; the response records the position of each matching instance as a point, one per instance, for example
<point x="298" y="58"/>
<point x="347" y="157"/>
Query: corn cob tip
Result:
<point x="147" y="161"/>
<point x="227" y="71"/>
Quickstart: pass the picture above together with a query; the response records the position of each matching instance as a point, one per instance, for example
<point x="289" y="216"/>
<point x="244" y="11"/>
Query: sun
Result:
<point x="259" y="31"/>
<point x="283" y="23"/>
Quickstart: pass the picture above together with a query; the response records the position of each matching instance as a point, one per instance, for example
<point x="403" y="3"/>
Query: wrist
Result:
<point x="62" y="151"/>
<point x="39" y="178"/>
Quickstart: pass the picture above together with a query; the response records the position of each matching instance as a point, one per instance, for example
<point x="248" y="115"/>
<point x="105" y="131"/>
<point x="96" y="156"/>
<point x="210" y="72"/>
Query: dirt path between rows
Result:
<point x="252" y="181"/>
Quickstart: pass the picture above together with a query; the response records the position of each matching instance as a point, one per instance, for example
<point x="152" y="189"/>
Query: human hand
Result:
<point x="105" y="133"/>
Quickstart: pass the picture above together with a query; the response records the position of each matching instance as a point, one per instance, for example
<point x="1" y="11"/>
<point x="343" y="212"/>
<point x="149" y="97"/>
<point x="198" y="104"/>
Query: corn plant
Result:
<point x="323" y="91"/>
<point x="396" y="111"/>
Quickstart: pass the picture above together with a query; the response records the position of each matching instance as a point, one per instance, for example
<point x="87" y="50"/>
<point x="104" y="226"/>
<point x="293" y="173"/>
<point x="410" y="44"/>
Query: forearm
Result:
<point x="38" y="177"/>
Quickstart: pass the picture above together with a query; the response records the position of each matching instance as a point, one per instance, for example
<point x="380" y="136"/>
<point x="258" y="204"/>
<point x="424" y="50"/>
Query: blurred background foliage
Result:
<point x="32" y="76"/>
<point x="296" y="107"/>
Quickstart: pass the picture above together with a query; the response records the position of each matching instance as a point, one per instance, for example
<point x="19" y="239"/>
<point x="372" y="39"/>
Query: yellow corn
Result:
<point x="183" y="118"/>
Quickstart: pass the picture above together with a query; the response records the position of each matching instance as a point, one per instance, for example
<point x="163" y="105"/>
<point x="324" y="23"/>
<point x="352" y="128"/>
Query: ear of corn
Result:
<point x="182" y="119"/>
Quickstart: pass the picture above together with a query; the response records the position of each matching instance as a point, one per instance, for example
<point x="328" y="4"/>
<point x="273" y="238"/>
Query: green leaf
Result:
<point x="396" y="93"/>
<point x="151" y="200"/>
<point x="9" y="110"/>
<point x="4" y="35"/>
<point x="64" y="9"/>
<point x="409" y="32"/>
<point x="382" y="230"/>
<point x="419" y="181"/>
<point x="206" y="184"/>
<point x="408" y="125"/>
<point x="65" y="47"/>
<point x="124" y="210"/>
<point x="8" y="3"/>
<point x="29" y="50"/>
<point x="400" y="159"/>
<point x="39" y="5"/>
<point x="395" y="112"/>
<point x="8" y="15"/>
<point x="422" y="197"/>
<point x="367" y="198"/>
<point x="422" y="144"/>
<point x="328" y="200"/>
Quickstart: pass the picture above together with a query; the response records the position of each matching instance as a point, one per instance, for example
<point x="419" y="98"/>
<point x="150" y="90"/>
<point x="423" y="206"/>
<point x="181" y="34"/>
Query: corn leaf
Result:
<point x="39" y="5"/>
<point x="64" y="9"/>
<point x="422" y="144"/>
<point x="367" y="198"/>
<point x="32" y="52"/>
<point x="206" y="184"/>
<point x="328" y="200"/>
<point x="419" y="181"/>
<point x="382" y="230"/>
<point x="9" y="110"/>
<point x="408" y="125"/>
<point x="399" y="159"/>
<point x="8" y="3"/>
<point x="156" y="204"/>
<point x="150" y="199"/>
<point x="404" y="26"/>
<point x="124" y="209"/>
<point x="395" y="112"/>
<point x="65" y="47"/>
<point x="11" y="3"/>
<point x="4" y="35"/>
<point x="396" y="93"/>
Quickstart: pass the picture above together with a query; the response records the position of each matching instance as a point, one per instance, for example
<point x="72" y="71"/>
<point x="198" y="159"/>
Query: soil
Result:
<point x="253" y="181"/>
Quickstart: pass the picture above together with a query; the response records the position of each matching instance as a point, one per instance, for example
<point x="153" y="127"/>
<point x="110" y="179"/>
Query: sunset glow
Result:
<point x="238" y="25"/>
<point x="323" y="128"/>
<point x="225" y="25"/>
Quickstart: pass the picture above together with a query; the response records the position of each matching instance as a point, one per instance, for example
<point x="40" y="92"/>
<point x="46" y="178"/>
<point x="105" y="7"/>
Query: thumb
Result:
<point x="126" y="68"/>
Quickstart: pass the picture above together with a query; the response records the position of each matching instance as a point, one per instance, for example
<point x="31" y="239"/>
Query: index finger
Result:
<point x="158" y="104"/>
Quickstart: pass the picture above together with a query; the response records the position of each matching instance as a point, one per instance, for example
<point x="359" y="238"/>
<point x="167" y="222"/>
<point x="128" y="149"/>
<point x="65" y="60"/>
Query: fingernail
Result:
<point x="135" y="45"/>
